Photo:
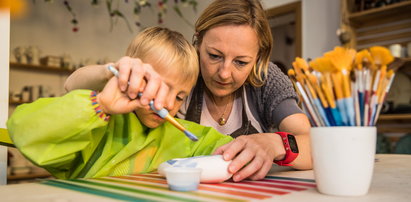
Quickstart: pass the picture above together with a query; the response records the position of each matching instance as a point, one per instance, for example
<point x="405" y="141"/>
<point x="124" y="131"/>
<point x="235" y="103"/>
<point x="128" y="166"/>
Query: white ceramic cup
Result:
<point x="183" y="179"/>
<point x="343" y="159"/>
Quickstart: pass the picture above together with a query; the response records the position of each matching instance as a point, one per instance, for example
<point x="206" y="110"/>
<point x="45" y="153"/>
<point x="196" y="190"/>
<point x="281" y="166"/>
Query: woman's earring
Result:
<point x="195" y="39"/>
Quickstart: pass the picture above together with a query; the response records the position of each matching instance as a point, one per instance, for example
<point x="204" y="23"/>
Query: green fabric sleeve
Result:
<point x="53" y="132"/>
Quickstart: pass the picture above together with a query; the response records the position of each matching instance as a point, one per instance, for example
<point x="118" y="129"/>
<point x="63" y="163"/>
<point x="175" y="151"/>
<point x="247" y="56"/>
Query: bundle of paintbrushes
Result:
<point x="344" y="87"/>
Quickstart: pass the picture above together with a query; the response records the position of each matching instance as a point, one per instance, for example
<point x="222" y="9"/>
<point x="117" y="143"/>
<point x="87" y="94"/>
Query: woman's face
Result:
<point x="227" y="56"/>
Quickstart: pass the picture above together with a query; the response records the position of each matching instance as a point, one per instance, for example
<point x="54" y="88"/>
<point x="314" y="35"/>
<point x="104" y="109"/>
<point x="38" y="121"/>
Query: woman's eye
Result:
<point x="241" y="63"/>
<point x="214" y="56"/>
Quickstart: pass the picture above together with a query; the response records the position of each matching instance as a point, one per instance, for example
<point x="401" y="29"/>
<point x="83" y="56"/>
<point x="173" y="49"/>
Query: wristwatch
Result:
<point x="291" y="149"/>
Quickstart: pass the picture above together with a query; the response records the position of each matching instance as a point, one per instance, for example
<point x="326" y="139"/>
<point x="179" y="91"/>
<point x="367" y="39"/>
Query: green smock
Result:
<point x="65" y="136"/>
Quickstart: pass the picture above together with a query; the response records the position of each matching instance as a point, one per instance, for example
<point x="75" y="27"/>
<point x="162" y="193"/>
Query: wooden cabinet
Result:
<point x="384" y="26"/>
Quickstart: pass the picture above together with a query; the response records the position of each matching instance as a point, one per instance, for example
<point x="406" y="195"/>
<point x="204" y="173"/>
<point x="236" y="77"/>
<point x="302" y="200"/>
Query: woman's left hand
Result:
<point x="252" y="155"/>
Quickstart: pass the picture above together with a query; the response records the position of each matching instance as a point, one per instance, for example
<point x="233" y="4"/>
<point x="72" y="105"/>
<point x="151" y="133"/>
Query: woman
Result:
<point x="239" y="92"/>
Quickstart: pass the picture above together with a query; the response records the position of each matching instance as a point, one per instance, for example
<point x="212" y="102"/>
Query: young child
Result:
<point x="86" y="134"/>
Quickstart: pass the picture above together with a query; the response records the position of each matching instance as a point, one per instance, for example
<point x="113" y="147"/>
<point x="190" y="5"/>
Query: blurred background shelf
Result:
<point x="28" y="176"/>
<point x="394" y="123"/>
<point x="387" y="13"/>
<point x="40" y="68"/>
<point x="16" y="102"/>
<point x="397" y="117"/>
<point x="385" y="25"/>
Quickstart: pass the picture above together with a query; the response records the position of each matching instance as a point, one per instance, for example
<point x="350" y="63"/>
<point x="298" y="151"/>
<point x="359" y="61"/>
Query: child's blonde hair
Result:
<point x="168" y="48"/>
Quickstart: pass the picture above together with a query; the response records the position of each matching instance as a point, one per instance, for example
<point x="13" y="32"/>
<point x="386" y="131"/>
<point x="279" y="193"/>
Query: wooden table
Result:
<point x="391" y="182"/>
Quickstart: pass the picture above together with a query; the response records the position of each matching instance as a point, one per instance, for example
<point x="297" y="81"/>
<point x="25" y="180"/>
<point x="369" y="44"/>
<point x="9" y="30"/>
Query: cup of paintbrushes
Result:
<point x="343" y="159"/>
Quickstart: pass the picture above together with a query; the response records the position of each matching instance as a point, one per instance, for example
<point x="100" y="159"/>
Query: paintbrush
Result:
<point x="362" y="62"/>
<point x="355" y="95"/>
<point x="163" y="113"/>
<point x="380" y="88"/>
<point x="306" y="102"/>
<point x="342" y="59"/>
<point x="337" y="81"/>
<point x="381" y="57"/>
<point x="301" y="63"/>
<point x="388" y="83"/>
<point x="301" y="77"/>
<point x="323" y="105"/>
<point x="337" y="86"/>
<point x="324" y="66"/>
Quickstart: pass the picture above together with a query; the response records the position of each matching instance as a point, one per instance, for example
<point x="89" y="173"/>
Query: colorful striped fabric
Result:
<point x="153" y="187"/>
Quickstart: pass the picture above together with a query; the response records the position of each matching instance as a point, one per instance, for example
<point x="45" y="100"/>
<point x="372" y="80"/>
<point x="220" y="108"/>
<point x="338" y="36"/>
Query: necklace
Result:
<point x="221" y="121"/>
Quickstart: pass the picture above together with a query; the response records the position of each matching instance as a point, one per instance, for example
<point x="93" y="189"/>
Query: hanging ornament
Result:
<point x="74" y="21"/>
<point x="116" y="12"/>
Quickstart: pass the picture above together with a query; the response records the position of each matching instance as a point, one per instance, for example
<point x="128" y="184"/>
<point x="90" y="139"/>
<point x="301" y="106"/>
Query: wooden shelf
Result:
<point x="394" y="123"/>
<point x="406" y="68"/>
<point x="386" y="13"/>
<point x="28" y="176"/>
<point x="40" y="68"/>
<point x="384" y="117"/>
<point x="407" y="61"/>
<point x="17" y="102"/>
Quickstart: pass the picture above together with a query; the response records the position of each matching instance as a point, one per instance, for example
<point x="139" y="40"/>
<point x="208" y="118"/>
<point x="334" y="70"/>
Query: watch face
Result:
<point x="293" y="143"/>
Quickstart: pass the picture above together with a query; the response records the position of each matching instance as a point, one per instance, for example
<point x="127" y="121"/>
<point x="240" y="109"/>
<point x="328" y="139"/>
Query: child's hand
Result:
<point x="113" y="101"/>
<point x="136" y="76"/>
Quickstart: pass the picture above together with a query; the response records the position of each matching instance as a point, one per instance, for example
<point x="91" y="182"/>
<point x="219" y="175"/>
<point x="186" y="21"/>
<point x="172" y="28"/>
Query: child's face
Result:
<point x="178" y="89"/>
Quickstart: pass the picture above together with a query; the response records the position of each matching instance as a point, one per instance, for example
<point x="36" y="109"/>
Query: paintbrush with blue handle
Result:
<point x="163" y="113"/>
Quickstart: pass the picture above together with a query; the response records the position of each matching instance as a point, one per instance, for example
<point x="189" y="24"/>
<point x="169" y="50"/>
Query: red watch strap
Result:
<point x="291" y="149"/>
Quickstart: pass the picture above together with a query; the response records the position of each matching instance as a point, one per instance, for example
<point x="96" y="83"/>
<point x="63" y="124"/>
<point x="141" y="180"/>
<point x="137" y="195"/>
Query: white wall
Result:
<point x="4" y="86"/>
<point x="48" y="26"/>
<point x="276" y="3"/>
<point x="320" y="23"/>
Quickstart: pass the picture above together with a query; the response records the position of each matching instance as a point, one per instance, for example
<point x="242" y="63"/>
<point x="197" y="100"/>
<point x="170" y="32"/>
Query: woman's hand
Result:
<point x="113" y="101"/>
<point x="252" y="155"/>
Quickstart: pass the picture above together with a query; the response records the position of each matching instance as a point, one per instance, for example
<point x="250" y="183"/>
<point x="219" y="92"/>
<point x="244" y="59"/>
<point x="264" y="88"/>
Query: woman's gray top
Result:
<point x="268" y="105"/>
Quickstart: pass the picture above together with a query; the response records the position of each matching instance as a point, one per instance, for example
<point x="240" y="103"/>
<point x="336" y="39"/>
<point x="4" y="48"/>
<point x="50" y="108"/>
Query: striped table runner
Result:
<point x="153" y="187"/>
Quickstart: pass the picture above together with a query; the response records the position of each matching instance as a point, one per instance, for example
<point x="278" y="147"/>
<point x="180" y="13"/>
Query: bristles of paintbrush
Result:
<point x="357" y="93"/>
<point x="306" y="100"/>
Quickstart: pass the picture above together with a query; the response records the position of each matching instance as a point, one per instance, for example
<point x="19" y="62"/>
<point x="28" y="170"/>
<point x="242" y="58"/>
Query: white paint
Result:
<point x="4" y="86"/>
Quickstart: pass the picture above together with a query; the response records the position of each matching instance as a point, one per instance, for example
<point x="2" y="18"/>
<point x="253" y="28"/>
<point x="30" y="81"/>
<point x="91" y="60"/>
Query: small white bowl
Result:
<point x="214" y="167"/>
<point x="183" y="179"/>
